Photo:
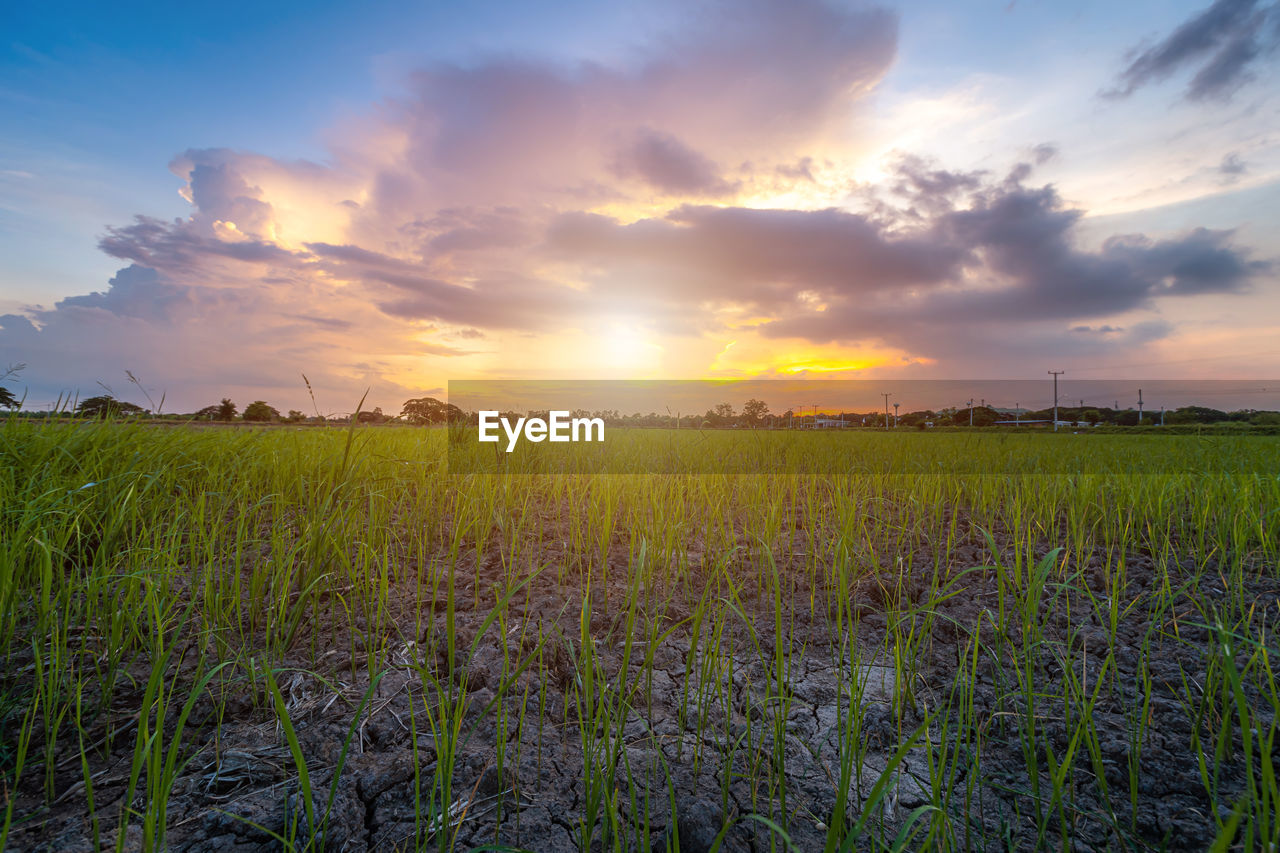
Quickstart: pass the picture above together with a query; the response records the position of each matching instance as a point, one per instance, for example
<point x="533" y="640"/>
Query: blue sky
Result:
<point x="98" y="101"/>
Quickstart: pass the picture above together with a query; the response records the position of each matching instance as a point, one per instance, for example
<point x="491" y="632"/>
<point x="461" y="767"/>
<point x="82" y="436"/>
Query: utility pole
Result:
<point x="1017" y="413"/>
<point x="970" y="411"/>
<point x="895" y="415"/>
<point x="886" y="408"/>
<point x="1139" y="407"/>
<point x="1162" y="416"/>
<point x="1055" y="374"/>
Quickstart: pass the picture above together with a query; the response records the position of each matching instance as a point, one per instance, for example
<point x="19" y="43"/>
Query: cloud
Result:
<point x="434" y="208"/>
<point x="222" y="196"/>
<point x="669" y="166"/>
<point x="1018" y="263"/>
<point x="1097" y="330"/>
<point x="951" y="265"/>
<point x="470" y="230"/>
<point x="1201" y="261"/>
<point x="1225" y="42"/>
<point x="135" y="291"/>
<point x="152" y="242"/>
<point x="756" y="81"/>
<point x="933" y="190"/>
<point x="1232" y="167"/>
<point x="761" y="257"/>
<point x="530" y="203"/>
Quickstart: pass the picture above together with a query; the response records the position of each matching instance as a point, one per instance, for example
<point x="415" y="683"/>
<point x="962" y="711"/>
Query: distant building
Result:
<point x="1044" y="422"/>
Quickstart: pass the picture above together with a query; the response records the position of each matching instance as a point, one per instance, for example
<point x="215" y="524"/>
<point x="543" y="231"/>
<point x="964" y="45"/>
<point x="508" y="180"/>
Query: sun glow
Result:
<point x="831" y="366"/>
<point x="627" y="346"/>
<point x="752" y="356"/>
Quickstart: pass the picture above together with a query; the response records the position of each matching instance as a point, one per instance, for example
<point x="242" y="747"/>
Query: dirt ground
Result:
<point x="238" y="787"/>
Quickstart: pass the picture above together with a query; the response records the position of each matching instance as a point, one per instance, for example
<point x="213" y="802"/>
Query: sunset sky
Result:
<point x="222" y="197"/>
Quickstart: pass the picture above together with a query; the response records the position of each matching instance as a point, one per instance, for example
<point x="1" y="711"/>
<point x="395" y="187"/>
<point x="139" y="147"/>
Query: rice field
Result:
<point x="322" y="639"/>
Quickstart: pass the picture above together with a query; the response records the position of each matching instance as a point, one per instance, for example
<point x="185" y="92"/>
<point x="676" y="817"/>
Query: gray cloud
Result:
<point x="1018" y="263"/>
<point x="1201" y="261"/>
<point x="470" y="230"/>
<point x="16" y="324"/>
<point x="220" y="193"/>
<point x="513" y="301"/>
<point x="158" y="244"/>
<point x="801" y="170"/>
<point x="963" y="258"/>
<point x="699" y="253"/>
<point x="1232" y="166"/>
<point x="931" y="190"/>
<point x="668" y="165"/>
<point x="1225" y="41"/>
<point x="1044" y="152"/>
<point x="135" y="291"/>
<point x="409" y="291"/>
<point x="741" y="81"/>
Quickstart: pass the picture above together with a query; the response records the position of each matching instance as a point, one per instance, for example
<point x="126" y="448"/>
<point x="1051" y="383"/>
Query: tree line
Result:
<point x="754" y="414"/>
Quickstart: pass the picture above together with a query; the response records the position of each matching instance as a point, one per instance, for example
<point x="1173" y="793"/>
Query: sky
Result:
<point x="221" y="199"/>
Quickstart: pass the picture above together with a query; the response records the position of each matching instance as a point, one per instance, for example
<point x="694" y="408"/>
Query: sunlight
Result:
<point x="626" y="346"/>
<point x="830" y="366"/>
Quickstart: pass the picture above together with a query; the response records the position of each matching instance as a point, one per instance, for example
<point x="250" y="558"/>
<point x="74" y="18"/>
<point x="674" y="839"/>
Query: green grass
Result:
<point x="150" y="575"/>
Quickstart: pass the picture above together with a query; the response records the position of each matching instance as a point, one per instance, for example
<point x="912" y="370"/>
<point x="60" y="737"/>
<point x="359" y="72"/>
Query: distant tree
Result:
<point x="1195" y="415"/>
<point x="429" y="410"/>
<point x="259" y="411"/>
<point x="226" y="410"/>
<point x="724" y="410"/>
<point x="208" y="413"/>
<point x="982" y="416"/>
<point x="754" y="411"/>
<point x="7" y="400"/>
<point x="295" y="417"/>
<point x="374" y="417"/>
<point x="106" y="406"/>
<point x="1092" y="416"/>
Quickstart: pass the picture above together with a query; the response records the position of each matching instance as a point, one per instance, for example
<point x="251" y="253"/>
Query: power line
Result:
<point x="1056" y="374"/>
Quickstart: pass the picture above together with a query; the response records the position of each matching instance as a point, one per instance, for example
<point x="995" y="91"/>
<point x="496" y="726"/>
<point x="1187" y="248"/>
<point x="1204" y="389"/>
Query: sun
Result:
<point x="626" y="346"/>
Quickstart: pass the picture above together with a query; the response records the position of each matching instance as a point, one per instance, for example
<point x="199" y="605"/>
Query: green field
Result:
<point x="324" y="640"/>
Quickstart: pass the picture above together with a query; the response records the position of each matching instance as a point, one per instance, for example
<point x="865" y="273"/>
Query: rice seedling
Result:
<point x="854" y="647"/>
